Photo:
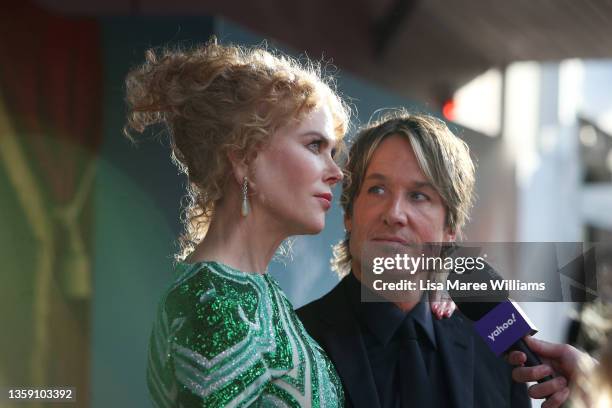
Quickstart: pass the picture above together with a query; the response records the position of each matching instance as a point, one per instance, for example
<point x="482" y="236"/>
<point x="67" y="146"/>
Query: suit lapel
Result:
<point x="344" y="344"/>
<point x="457" y="348"/>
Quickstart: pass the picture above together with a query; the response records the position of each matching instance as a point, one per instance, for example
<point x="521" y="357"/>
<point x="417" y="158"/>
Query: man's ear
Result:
<point x="348" y="225"/>
<point x="450" y="235"/>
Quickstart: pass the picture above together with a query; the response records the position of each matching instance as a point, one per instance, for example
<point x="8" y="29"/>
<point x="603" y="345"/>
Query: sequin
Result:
<point x="223" y="337"/>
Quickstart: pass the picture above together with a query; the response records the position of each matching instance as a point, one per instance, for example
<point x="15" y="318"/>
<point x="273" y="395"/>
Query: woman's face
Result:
<point x="293" y="176"/>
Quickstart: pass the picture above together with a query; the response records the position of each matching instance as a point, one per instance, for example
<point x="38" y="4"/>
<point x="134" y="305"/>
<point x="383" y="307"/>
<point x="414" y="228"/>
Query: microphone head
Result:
<point x="466" y="291"/>
<point x="482" y="296"/>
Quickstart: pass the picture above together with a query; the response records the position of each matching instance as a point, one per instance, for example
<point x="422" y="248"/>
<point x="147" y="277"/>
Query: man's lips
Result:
<point x="397" y="240"/>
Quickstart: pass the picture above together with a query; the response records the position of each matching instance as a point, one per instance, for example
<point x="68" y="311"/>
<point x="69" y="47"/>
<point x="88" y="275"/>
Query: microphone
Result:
<point x="499" y="321"/>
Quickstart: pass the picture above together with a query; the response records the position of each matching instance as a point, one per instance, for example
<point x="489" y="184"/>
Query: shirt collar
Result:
<point x="383" y="319"/>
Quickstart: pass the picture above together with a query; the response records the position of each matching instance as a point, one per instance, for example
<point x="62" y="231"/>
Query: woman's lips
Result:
<point x="325" y="200"/>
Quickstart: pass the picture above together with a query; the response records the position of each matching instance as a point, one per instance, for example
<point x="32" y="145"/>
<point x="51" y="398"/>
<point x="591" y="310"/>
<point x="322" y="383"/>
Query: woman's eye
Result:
<point x="315" y="146"/>
<point x="376" y="190"/>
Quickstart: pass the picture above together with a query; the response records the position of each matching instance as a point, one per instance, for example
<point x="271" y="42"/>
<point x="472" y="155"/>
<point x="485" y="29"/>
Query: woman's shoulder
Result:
<point x="209" y="333"/>
<point x="213" y="307"/>
<point x="206" y="283"/>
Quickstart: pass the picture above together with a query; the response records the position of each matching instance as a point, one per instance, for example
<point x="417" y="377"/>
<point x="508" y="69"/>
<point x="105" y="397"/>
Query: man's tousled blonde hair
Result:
<point x="443" y="157"/>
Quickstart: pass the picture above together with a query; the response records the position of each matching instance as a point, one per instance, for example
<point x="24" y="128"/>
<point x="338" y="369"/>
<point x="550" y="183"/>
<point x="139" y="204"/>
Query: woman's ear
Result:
<point x="238" y="162"/>
<point x="242" y="163"/>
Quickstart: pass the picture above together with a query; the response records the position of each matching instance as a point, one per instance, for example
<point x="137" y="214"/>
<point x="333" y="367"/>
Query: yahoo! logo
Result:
<point x="500" y="329"/>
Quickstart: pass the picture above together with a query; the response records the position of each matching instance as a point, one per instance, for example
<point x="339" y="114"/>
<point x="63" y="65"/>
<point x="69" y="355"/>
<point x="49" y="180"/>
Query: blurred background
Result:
<point x="88" y="221"/>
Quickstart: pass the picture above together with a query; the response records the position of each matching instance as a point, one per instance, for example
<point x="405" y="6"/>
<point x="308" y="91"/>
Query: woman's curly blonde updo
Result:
<point x="215" y="99"/>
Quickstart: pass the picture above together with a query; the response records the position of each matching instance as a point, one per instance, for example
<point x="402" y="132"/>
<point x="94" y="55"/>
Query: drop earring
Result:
<point x="244" y="211"/>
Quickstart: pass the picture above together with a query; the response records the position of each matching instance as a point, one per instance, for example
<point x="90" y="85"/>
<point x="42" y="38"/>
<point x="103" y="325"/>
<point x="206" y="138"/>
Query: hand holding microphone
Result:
<point x="562" y="359"/>
<point x="502" y="324"/>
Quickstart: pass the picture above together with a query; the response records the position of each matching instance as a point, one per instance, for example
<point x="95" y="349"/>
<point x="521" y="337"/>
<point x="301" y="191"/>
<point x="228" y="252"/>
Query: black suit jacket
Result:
<point x="477" y="378"/>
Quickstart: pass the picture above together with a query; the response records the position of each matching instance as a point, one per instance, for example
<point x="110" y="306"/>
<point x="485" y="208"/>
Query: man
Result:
<point x="409" y="182"/>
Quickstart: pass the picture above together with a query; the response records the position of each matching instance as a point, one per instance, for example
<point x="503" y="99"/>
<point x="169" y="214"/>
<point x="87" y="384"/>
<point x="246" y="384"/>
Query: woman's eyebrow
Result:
<point x="326" y="138"/>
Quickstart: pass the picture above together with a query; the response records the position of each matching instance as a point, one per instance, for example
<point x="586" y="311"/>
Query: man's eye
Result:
<point x="417" y="196"/>
<point x="376" y="190"/>
<point x="315" y="146"/>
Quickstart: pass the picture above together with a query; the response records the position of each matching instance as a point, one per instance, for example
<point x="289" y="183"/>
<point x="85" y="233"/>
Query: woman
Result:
<point x="256" y="134"/>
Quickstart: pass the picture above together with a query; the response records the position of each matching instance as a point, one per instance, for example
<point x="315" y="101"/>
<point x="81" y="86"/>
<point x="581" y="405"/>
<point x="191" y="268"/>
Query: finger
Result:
<point x="516" y="358"/>
<point x="445" y="303"/>
<point x="451" y="308"/>
<point x="544" y="348"/>
<point x="445" y="311"/>
<point x="547" y="388"/>
<point x="557" y="399"/>
<point x="528" y="374"/>
<point x="435" y="309"/>
<point x="439" y="307"/>
<point x="444" y="306"/>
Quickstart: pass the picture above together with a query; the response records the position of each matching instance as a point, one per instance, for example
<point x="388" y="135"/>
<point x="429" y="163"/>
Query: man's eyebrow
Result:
<point x="416" y="184"/>
<point x="421" y="184"/>
<point x="375" y="176"/>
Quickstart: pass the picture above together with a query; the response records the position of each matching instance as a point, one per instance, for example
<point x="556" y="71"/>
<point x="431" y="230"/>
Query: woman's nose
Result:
<point x="335" y="174"/>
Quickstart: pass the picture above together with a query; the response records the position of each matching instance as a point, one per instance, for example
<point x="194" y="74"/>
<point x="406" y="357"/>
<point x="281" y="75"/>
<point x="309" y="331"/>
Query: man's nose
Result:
<point x="395" y="213"/>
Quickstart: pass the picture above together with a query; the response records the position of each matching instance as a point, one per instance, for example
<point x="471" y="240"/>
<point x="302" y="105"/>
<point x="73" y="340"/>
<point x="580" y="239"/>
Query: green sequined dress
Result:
<point x="224" y="338"/>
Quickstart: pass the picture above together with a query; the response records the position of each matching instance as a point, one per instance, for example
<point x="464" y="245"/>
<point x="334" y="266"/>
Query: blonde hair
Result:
<point x="215" y="99"/>
<point x="443" y="157"/>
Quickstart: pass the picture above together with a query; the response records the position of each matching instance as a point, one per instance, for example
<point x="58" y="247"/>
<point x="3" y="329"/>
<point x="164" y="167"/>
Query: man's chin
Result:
<point x="393" y="286"/>
<point x="390" y="249"/>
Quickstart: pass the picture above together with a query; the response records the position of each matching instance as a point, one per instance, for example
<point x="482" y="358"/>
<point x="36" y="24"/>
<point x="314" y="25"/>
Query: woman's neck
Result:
<point x="244" y="243"/>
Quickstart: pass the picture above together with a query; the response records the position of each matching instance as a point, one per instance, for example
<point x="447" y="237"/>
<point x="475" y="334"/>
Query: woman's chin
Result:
<point x="314" y="227"/>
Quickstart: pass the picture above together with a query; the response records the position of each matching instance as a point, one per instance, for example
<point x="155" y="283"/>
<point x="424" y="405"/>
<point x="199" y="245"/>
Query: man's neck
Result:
<point x="403" y="306"/>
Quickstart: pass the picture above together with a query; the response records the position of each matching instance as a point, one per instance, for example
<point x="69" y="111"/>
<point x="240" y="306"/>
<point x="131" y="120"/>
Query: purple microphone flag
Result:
<point x="503" y="326"/>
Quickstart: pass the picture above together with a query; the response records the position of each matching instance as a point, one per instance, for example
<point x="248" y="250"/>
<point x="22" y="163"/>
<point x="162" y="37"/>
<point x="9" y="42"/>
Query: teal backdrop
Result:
<point x="135" y="207"/>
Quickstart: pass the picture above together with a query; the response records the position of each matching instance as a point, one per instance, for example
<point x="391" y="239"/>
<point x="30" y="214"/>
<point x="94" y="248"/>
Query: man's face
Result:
<point x="397" y="210"/>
